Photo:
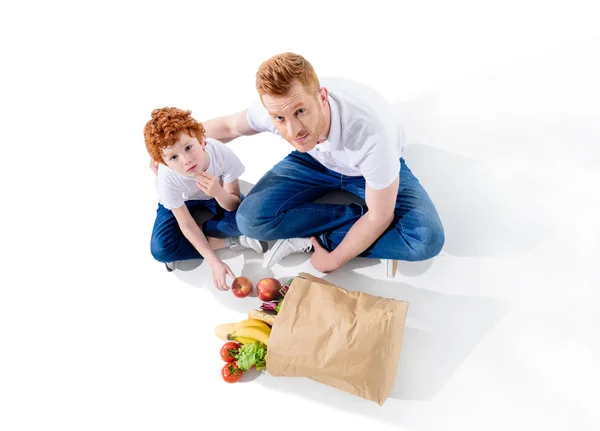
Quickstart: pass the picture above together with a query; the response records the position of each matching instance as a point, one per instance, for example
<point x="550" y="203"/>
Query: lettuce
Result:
<point x="251" y="354"/>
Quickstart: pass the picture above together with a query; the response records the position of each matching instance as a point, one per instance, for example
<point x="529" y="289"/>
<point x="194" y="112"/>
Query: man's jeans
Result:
<point x="168" y="244"/>
<point x="281" y="205"/>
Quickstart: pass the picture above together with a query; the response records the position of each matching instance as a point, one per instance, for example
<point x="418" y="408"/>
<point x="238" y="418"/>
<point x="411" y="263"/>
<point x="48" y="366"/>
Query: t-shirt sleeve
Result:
<point x="380" y="165"/>
<point x="258" y="117"/>
<point x="168" y="189"/>
<point x="232" y="166"/>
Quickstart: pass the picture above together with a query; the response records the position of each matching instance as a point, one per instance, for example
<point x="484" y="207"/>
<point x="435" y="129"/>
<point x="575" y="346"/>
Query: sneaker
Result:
<point x="243" y="241"/>
<point x="285" y="247"/>
<point x="390" y="267"/>
<point x="170" y="266"/>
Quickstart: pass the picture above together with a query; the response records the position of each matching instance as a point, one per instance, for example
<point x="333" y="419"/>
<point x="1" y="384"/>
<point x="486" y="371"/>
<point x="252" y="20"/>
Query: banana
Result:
<point x="243" y="340"/>
<point x="253" y="323"/>
<point x="246" y="331"/>
<point x="223" y="330"/>
<point x="252" y="332"/>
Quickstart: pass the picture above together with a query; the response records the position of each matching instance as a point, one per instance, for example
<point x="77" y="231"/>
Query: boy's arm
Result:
<point x="194" y="234"/>
<point x="196" y="237"/>
<point x="232" y="197"/>
<point x="226" y="195"/>
<point x="227" y="128"/>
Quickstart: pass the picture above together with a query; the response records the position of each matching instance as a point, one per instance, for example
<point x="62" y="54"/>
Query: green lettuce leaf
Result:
<point x="251" y="354"/>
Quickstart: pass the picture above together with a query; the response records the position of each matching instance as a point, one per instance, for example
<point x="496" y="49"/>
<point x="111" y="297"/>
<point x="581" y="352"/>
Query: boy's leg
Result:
<point x="223" y="225"/>
<point x="281" y="204"/>
<point x="416" y="232"/>
<point x="168" y="244"/>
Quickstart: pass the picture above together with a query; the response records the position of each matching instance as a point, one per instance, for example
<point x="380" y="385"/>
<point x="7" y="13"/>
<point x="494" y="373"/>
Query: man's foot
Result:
<point x="390" y="267"/>
<point x="285" y="247"/>
<point x="170" y="266"/>
<point x="241" y="242"/>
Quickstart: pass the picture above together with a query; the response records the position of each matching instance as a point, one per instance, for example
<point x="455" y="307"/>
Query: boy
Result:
<point x="194" y="173"/>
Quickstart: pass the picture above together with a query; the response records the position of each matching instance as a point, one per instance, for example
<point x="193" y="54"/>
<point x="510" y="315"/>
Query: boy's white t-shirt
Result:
<point x="174" y="190"/>
<point x="365" y="138"/>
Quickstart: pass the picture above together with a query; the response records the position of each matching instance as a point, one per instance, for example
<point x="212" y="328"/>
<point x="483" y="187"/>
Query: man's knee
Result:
<point x="252" y="221"/>
<point x="435" y="240"/>
<point x="430" y="241"/>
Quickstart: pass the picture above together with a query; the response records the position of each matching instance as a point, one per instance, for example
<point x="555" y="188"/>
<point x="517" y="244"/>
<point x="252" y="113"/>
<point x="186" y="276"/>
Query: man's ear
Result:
<point x="323" y="95"/>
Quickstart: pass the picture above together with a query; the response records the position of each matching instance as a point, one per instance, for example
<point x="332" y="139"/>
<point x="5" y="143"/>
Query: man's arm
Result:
<point x="226" y="129"/>
<point x="367" y="229"/>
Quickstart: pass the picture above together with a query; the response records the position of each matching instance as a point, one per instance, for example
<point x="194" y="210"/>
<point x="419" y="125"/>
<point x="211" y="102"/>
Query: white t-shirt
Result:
<point x="174" y="189"/>
<point x="365" y="138"/>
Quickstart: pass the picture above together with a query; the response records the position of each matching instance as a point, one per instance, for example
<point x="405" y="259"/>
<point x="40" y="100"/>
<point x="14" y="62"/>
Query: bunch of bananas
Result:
<point x="246" y="331"/>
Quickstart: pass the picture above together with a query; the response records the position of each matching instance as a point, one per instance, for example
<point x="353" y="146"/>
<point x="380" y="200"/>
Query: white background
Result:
<point x="501" y="107"/>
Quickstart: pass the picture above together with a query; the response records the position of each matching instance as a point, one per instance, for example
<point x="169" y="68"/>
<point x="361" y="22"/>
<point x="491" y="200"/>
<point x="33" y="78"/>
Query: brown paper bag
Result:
<point x="348" y="340"/>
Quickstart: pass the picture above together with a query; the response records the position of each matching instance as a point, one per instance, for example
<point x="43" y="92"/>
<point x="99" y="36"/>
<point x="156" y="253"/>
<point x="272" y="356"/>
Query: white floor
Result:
<point x="501" y="107"/>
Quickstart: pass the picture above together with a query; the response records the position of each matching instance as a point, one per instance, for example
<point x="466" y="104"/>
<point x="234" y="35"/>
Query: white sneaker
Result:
<point x="390" y="267"/>
<point x="285" y="247"/>
<point x="249" y="243"/>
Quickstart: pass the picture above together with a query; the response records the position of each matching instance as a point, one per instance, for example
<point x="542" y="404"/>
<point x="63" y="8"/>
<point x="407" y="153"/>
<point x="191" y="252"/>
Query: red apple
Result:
<point x="268" y="289"/>
<point x="241" y="287"/>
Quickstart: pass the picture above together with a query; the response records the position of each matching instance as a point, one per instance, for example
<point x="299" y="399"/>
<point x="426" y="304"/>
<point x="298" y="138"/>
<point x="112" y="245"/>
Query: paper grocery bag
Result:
<point x="348" y="340"/>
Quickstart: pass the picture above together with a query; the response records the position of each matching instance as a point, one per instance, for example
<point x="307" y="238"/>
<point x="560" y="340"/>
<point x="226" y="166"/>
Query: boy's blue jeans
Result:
<point x="168" y="244"/>
<point x="281" y="205"/>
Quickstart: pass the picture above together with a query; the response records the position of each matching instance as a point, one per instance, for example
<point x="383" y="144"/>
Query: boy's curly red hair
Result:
<point x="164" y="128"/>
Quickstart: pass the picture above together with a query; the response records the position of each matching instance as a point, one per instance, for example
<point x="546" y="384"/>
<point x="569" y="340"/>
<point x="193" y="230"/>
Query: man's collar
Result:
<point x="333" y="139"/>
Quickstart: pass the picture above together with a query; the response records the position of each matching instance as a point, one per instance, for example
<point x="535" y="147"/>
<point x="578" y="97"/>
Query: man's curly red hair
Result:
<point x="276" y="75"/>
<point x="164" y="128"/>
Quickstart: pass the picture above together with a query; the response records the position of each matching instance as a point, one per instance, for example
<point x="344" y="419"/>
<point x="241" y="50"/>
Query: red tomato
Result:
<point x="231" y="373"/>
<point x="228" y="350"/>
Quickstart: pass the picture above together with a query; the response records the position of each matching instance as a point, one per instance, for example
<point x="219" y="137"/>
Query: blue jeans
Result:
<point x="168" y="244"/>
<point x="281" y="205"/>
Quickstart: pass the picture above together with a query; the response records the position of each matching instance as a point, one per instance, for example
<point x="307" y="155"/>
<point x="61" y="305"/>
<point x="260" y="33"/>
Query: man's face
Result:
<point x="187" y="156"/>
<point x="299" y="115"/>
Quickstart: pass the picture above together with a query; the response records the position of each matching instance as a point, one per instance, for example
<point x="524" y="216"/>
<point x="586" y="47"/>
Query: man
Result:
<point x="345" y="137"/>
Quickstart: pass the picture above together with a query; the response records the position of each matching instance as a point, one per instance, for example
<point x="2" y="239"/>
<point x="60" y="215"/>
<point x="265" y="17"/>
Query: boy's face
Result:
<point x="299" y="115"/>
<point x="187" y="156"/>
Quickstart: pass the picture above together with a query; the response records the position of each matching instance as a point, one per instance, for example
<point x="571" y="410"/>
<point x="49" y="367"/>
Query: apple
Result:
<point x="241" y="287"/>
<point x="268" y="289"/>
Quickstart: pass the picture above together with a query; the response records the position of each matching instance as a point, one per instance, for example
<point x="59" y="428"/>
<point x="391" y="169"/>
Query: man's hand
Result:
<point x="220" y="271"/>
<point x="209" y="184"/>
<point x="321" y="259"/>
<point x="154" y="166"/>
<point x="368" y="228"/>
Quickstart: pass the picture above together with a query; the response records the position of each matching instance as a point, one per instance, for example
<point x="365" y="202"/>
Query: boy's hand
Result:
<point x="209" y="184"/>
<point x="220" y="271"/>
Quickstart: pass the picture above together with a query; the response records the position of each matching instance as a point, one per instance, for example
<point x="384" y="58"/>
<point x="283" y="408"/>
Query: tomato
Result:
<point x="231" y="373"/>
<point x="228" y="350"/>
